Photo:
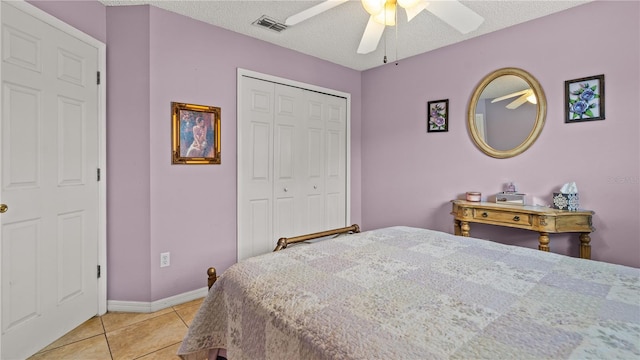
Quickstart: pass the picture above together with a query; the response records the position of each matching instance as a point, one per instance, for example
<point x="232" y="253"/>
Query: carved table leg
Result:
<point x="464" y="226"/>
<point x="585" y="247"/>
<point x="544" y="241"/>
<point x="456" y="227"/>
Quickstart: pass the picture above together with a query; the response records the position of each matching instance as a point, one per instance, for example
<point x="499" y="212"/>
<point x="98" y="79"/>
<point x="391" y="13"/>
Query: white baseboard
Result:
<point x="149" y="307"/>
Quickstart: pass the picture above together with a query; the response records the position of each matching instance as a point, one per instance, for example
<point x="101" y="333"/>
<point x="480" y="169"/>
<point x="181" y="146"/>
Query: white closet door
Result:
<point x="292" y="157"/>
<point x="288" y="162"/>
<point x="313" y="196"/>
<point x="335" y="163"/>
<point x="255" y="177"/>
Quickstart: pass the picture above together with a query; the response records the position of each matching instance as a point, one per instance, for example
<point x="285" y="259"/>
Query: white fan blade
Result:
<point x="313" y="11"/>
<point x="510" y="95"/>
<point x="455" y="14"/>
<point x="517" y="102"/>
<point x="371" y="37"/>
<point x="415" y="10"/>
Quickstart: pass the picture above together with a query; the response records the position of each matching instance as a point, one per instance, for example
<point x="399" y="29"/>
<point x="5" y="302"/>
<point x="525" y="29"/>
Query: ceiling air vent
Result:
<point x="269" y="23"/>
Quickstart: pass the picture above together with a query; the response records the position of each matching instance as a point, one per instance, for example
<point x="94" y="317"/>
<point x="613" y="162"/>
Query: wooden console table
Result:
<point x="537" y="218"/>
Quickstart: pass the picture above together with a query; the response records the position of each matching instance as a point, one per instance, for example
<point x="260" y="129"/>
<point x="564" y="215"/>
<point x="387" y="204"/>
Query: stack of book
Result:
<point x="509" y="197"/>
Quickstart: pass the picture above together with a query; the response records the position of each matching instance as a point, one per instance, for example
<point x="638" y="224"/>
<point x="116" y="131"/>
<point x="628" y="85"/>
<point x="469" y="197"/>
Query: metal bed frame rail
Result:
<point x="284" y="242"/>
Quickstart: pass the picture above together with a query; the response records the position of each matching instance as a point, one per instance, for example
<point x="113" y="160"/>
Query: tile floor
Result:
<point x="125" y="336"/>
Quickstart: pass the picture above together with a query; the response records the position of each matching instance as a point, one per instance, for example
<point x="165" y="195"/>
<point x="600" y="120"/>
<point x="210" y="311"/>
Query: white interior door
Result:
<point x="50" y="149"/>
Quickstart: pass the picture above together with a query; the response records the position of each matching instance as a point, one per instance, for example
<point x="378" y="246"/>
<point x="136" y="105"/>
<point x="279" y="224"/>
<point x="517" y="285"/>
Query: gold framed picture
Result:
<point x="195" y="134"/>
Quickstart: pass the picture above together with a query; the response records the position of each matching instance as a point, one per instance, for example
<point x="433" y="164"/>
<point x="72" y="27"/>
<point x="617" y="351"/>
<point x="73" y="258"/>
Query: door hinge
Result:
<point x="98" y="80"/>
<point x="98" y="174"/>
<point x="99" y="271"/>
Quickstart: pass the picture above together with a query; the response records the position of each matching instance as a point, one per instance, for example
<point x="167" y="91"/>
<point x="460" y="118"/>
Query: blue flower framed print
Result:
<point x="438" y="116"/>
<point x="584" y="99"/>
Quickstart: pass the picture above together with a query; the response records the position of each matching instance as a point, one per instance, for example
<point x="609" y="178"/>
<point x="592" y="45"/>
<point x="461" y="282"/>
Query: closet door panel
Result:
<point x="255" y="198"/>
<point x="288" y="210"/>
<point x="258" y="164"/>
<point x="285" y="184"/>
<point x="260" y="227"/>
<point x="285" y="142"/>
<point x="314" y="166"/>
<point x="315" y="155"/>
<point x="335" y="163"/>
<point x="335" y="211"/>
<point x="285" y="218"/>
<point x="314" y="182"/>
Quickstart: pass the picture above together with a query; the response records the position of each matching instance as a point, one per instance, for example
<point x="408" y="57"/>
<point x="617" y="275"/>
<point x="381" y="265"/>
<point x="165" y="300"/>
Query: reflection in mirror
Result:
<point x="506" y="112"/>
<point x="504" y="101"/>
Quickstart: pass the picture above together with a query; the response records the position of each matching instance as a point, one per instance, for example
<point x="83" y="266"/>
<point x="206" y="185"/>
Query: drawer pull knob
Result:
<point x="516" y="218"/>
<point x="484" y="214"/>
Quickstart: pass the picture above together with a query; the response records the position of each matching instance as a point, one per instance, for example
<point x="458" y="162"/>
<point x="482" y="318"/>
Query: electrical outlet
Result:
<point x="165" y="259"/>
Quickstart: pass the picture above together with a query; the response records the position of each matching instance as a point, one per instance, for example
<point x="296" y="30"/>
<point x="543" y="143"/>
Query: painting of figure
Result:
<point x="196" y="134"/>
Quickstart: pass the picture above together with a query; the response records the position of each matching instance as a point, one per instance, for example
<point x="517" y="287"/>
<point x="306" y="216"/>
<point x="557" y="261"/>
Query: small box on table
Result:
<point x="562" y="201"/>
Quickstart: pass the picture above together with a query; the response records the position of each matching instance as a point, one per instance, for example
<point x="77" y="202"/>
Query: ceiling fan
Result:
<point x="524" y="96"/>
<point x="383" y="13"/>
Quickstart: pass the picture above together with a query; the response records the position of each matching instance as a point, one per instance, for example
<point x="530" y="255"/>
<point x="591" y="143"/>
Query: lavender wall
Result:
<point x="87" y="16"/>
<point x="411" y="175"/>
<point x="129" y="220"/>
<point x="192" y="209"/>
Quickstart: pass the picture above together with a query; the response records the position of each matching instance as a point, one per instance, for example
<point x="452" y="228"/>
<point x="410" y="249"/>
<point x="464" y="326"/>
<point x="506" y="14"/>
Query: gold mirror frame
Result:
<point x="540" y="115"/>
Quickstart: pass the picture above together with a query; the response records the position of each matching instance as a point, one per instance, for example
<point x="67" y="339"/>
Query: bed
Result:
<point x="410" y="293"/>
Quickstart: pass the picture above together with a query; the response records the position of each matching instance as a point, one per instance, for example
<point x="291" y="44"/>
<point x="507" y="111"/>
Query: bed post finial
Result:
<point x="282" y="244"/>
<point x="211" y="272"/>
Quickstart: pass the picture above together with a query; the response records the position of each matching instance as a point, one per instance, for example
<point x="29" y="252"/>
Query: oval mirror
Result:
<point x="506" y="112"/>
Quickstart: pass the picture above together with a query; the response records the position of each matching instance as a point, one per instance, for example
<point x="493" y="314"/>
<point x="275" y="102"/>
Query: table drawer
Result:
<point x="503" y="217"/>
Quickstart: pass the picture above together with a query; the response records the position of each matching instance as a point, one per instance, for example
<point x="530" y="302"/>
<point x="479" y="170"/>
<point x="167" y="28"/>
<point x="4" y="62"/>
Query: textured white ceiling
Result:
<point x="335" y="34"/>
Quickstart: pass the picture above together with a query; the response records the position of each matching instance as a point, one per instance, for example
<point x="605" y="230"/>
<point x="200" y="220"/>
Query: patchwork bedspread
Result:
<point x="408" y="293"/>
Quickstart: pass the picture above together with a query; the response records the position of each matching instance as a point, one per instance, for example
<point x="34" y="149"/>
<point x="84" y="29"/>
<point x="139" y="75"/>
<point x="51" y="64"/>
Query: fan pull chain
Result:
<point x="384" y="60"/>
<point x="397" y="24"/>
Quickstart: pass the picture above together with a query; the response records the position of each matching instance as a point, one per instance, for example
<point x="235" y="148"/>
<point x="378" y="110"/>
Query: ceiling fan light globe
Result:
<point x="388" y="16"/>
<point x="373" y="7"/>
<point x="532" y="99"/>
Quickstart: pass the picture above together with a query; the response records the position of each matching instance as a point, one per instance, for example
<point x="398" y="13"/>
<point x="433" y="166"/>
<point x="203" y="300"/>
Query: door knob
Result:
<point x="285" y="189"/>
<point x="3" y="208"/>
